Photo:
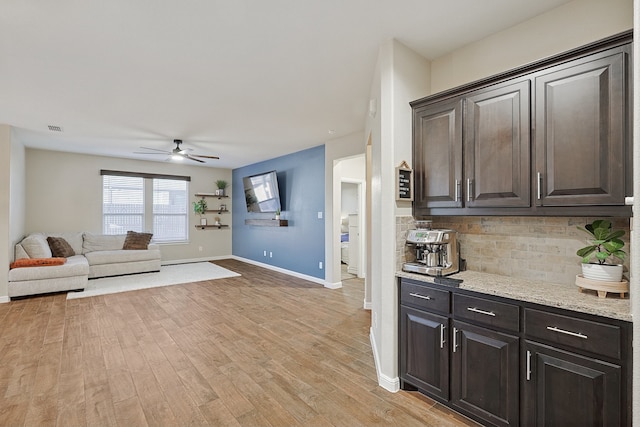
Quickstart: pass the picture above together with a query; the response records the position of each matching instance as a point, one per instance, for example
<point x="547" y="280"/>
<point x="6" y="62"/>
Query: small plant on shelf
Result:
<point x="221" y="184"/>
<point x="200" y="208"/>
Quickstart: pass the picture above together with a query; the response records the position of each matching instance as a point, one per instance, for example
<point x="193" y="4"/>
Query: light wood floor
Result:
<point x="263" y="349"/>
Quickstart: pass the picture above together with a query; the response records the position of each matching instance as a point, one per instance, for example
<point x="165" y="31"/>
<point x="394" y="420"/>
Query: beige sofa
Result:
<point x="96" y="255"/>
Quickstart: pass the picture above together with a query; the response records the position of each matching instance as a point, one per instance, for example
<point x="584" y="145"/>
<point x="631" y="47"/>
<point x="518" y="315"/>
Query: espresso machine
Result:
<point x="437" y="252"/>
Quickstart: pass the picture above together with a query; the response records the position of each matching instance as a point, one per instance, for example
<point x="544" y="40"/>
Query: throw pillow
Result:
<point x="37" y="262"/>
<point x="36" y="246"/>
<point x="60" y="247"/>
<point x="137" y="241"/>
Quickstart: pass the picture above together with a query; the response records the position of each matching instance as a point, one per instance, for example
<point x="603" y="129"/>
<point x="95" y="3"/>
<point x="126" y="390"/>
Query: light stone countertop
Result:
<point x="563" y="296"/>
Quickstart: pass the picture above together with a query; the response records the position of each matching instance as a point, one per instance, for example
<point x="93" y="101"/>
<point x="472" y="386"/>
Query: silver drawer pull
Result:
<point x="477" y="310"/>
<point x="419" y="296"/>
<point x="562" y="331"/>
<point x="528" y="365"/>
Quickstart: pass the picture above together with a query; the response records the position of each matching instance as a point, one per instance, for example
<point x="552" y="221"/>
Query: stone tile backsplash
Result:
<point x="541" y="248"/>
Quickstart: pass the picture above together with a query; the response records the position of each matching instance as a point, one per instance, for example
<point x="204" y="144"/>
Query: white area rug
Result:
<point x="168" y="275"/>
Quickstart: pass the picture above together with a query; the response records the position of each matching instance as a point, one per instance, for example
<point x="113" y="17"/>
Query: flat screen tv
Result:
<point x="261" y="192"/>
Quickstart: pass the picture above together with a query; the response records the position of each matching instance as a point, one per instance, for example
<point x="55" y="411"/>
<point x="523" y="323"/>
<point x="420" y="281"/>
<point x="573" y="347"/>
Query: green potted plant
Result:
<point x="605" y="248"/>
<point x="221" y="184"/>
<point x="277" y="214"/>
<point x="200" y="208"/>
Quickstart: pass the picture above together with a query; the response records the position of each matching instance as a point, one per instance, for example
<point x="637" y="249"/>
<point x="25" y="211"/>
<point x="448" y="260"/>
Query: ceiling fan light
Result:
<point x="177" y="157"/>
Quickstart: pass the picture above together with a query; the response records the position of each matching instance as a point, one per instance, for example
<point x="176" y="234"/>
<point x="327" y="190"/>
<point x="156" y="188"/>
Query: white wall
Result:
<point x="64" y="193"/>
<point x="18" y="193"/>
<point x="569" y="26"/>
<point x="5" y="180"/>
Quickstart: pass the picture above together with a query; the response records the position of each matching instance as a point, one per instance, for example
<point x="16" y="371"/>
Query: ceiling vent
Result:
<point x="54" y="128"/>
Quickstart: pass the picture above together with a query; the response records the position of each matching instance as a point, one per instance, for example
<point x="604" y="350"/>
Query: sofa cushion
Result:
<point x="74" y="238"/>
<point x="60" y="247"/>
<point x="36" y="246"/>
<point x="75" y="266"/>
<point x="120" y="256"/>
<point x="35" y="262"/>
<point x="137" y="241"/>
<point x="102" y="242"/>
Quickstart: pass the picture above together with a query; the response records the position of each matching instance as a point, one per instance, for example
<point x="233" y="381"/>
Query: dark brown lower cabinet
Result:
<point x="484" y="373"/>
<point x="561" y="388"/>
<point x="424" y="359"/>
<point x="505" y="362"/>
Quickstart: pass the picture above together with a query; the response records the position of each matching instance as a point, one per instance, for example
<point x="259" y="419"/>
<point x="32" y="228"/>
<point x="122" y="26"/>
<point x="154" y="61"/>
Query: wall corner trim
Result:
<point x="384" y="381"/>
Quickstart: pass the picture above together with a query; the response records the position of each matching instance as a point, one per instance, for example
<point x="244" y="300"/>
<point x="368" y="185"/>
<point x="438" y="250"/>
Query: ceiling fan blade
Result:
<point x="144" y="152"/>
<point x="186" y="156"/>
<point x="205" y="157"/>
<point x="155" y="149"/>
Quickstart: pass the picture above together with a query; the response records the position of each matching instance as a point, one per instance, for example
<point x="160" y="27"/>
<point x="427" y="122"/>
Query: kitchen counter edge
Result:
<point x="562" y="296"/>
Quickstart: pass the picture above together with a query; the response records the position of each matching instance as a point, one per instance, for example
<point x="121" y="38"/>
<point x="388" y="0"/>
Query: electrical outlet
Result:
<point x="270" y="254"/>
<point x="320" y="265"/>
<point x="265" y="253"/>
<point x="320" y="215"/>
<point x="200" y="248"/>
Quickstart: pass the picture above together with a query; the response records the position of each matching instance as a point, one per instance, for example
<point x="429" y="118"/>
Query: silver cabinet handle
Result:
<point x="539" y="179"/>
<point x="528" y="365"/>
<point x="468" y="190"/>
<point x="455" y="343"/>
<point x="562" y="331"/>
<point x="477" y="310"/>
<point x="419" y="296"/>
<point x="442" y="335"/>
<point x="456" y="195"/>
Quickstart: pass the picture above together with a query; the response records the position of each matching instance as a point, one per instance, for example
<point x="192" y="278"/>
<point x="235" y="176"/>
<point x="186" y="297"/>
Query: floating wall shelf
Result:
<point x="267" y="222"/>
<point x="202" y="227"/>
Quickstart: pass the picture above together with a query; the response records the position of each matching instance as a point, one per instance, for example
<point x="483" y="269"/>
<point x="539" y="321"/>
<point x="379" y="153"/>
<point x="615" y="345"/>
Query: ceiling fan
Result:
<point x="178" y="153"/>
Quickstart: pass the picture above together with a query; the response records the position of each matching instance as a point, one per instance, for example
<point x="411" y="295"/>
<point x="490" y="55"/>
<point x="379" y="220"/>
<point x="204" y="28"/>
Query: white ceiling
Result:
<point x="247" y="80"/>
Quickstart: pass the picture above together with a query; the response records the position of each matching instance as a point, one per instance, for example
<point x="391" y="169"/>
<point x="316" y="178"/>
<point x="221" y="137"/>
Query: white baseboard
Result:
<point x="384" y="381"/>
<point x="366" y="305"/>
<point x="290" y="273"/>
<point x="192" y="260"/>
<point x="4" y="299"/>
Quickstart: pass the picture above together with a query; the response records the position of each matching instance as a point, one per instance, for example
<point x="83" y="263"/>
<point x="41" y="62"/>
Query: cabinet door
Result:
<point x="484" y="373"/>
<point x="580" y="131"/>
<point x="565" y="389"/>
<point x="424" y="355"/>
<point x="497" y="147"/>
<point x="437" y="156"/>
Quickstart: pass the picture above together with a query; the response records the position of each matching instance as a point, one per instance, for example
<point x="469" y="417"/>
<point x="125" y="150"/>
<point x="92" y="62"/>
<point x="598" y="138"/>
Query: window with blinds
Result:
<point x="162" y="209"/>
<point x="122" y="204"/>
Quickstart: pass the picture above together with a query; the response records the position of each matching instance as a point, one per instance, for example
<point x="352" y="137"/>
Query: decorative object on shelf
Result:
<point x="404" y="182"/>
<point x="221" y="184"/>
<point x="200" y="208"/>
<point x="217" y="220"/>
<point x="223" y="207"/>
<point x="277" y="214"/>
<point x="605" y="245"/>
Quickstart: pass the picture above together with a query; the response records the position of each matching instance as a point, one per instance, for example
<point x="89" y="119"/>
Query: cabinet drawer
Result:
<point x="486" y="312"/>
<point x="424" y="297"/>
<point x="586" y="335"/>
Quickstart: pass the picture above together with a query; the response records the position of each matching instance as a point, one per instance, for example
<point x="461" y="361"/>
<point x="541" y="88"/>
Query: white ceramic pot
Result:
<point x="604" y="272"/>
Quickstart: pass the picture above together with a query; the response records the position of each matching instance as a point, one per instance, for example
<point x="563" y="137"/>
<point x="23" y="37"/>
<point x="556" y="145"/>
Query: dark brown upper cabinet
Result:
<point x="437" y="153"/>
<point x="496" y="146"/>
<point x="581" y="121"/>
<point x="549" y="138"/>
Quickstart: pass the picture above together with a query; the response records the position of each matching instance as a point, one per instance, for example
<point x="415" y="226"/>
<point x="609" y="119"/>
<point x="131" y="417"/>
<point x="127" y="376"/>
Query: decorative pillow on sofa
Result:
<point x="37" y="262"/>
<point x="60" y="247"/>
<point x="36" y="246"/>
<point x="137" y="240"/>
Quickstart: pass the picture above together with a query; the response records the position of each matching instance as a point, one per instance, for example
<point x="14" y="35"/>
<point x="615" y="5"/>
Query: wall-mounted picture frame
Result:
<point x="404" y="183"/>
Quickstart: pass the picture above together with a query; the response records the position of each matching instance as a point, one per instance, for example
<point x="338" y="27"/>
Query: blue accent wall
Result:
<point x="300" y="246"/>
